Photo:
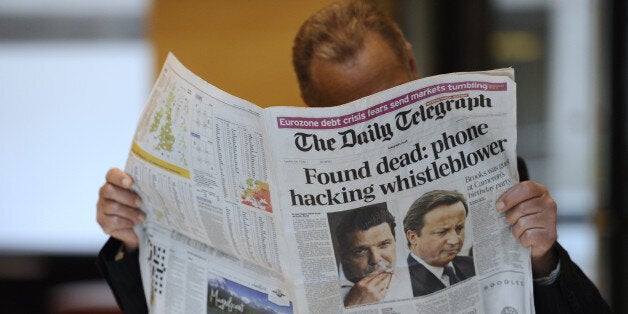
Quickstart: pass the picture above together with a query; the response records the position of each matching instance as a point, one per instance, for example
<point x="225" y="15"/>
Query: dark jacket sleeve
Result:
<point x="123" y="277"/>
<point x="572" y="292"/>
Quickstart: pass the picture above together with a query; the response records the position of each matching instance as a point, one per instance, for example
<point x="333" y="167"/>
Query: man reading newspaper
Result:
<point x="344" y="52"/>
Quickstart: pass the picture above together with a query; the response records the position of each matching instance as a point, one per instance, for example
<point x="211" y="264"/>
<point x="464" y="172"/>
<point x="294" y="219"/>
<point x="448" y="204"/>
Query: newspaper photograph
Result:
<point x="382" y="205"/>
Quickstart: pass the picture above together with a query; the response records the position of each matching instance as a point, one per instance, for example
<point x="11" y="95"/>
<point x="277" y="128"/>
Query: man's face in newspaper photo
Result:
<point x="442" y="235"/>
<point x="369" y="252"/>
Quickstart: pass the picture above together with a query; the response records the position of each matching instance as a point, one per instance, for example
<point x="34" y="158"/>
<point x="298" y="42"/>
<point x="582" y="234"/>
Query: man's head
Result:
<point x="366" y="238"/>
<point x="434" y="226"/>
<point x="350" y="50"/>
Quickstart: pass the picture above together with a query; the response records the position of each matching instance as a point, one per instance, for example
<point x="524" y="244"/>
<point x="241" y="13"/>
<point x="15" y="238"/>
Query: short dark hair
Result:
<point x="362" y="219"/>
<point x="415" y="217"/>
<point x="336" y="33"/>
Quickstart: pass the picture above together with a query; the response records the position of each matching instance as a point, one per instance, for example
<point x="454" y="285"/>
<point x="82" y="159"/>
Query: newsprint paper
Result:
<point x="327" y="210"/>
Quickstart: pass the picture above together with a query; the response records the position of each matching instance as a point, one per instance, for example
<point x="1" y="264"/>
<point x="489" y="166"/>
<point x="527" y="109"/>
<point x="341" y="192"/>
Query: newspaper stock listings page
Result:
<point x="382" y="205"/>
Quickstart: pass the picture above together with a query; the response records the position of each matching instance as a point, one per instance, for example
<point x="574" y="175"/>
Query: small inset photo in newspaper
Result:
<point x="226" y="296"/>
<point x="365" y="246"/>
<point x="435" y="224"/>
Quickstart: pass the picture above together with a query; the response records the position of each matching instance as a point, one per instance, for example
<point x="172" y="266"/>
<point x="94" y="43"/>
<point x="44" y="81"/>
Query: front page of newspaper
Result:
<point x="431" y="156"/>
<point x="386" y="204"/>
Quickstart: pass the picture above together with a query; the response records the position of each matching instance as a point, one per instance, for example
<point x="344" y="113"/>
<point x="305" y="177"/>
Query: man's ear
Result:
<point x="412" y="236"/>
<point x="411" y="62"/>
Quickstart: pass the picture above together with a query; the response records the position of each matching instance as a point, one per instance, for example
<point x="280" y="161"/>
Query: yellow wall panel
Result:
<point x="242" y="47"/>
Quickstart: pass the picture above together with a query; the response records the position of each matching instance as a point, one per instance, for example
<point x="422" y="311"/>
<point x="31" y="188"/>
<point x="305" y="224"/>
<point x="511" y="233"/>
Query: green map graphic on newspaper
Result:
<point x="167" y="127"/>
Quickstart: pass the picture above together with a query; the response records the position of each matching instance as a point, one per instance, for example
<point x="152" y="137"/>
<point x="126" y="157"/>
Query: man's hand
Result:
<point x="369" y="289"/>
<point x="117" y="208"/>
<point x="532" y="213"/>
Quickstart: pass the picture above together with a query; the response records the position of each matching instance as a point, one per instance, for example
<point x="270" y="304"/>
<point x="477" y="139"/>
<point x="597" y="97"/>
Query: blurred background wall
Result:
<point x="74" y="78"/>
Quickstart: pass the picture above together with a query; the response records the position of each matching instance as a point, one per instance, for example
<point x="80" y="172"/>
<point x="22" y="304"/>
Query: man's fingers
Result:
<point x="121" y="195"/>
<point x="368" y="289"/>
<point x="541" y="240"/>
<point x="117" y="208"/>
<point x="386" y="278"/>
<point x="112" y="208"/>
<point x="119" y="178"/>
<point x="529" y="207"/>
<point x="373" y="286"/>
<point x="532" y="213"/>
<point x="379" y="281"/>
<point x="525" y="223"/>
<point x="113" y="224"/>
<point x="531" y="216"/>
<point x="537" y="231"/>
<point x="536" y="238"/>
<point x="520" y="193"/>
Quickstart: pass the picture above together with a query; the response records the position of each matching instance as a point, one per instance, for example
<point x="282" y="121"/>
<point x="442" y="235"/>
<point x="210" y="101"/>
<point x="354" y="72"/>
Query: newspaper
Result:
<point x="250" y="209"/>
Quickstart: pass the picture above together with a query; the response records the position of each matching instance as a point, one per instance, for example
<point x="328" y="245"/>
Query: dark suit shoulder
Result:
<point x="464" y="266"/>
<point x="462" y="259"/>
<point x="422" y="280"/>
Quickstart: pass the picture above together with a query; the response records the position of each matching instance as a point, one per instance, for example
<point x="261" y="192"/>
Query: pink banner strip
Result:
<point x="386" y="107"/>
